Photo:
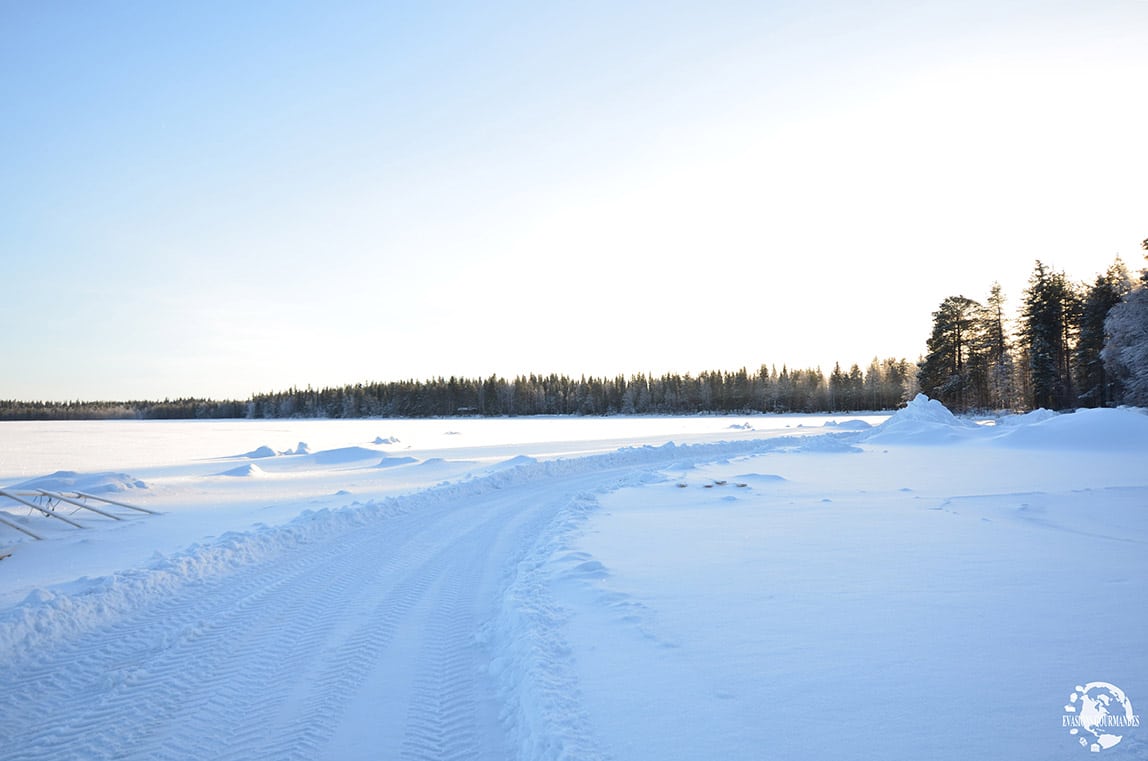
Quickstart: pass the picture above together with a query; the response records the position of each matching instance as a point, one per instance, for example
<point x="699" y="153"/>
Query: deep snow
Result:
<point x="643" y="588"/>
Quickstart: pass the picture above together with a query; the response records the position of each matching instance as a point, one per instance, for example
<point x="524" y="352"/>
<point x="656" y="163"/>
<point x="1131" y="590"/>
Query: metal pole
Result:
<point x="117" y="504"/>
<point x="77" y="503"/>
<point x="34" y="506"/>
<point x="7" y="522"/>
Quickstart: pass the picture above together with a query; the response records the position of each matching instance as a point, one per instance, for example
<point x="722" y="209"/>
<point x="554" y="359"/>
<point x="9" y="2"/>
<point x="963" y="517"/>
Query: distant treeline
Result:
<point x="884" y="385"/>
<point x="179" y="409"/>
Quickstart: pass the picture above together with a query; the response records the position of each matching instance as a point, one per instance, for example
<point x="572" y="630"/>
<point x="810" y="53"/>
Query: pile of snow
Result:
<point x="1028" y="418"/>
<point x="91" y="483"/>
<point x="849" y="425"/>
<point x="390" y="462"/>
<point x="928" y="422"/>
<point x="251" y="470"/>
<point x="515" y="462"/>
<point x="388" y="440"/>
<point x="343" y="455"/>
<point x="1102" y="430"/>
<point x="922" y="421"/>
<point x="260" y="452"/>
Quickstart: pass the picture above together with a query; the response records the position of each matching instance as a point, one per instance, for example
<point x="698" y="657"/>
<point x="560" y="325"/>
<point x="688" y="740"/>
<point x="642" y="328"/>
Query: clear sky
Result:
<point x="220" y="198"/>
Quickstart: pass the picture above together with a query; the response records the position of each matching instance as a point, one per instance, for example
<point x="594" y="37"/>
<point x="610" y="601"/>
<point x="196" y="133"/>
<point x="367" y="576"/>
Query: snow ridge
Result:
<point x="47" y="616"/>
<point x="536" y="678"/>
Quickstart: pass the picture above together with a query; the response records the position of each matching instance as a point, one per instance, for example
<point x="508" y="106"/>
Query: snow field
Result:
<point x="909" y="599"/>
<point x="929" y="588"/>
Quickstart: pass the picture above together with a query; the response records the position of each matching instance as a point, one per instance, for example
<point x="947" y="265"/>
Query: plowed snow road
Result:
<point x="367" y="637"/>
<point x="362" y="645"/>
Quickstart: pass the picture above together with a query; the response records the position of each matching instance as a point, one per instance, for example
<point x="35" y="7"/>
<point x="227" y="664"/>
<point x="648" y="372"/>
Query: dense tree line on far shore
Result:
<point x="1071" y="345"/>
<point x="884" y="384"/>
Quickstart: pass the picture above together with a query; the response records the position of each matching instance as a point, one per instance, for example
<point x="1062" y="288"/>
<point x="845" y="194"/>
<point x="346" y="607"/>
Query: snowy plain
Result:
<point x="762" y="587"/>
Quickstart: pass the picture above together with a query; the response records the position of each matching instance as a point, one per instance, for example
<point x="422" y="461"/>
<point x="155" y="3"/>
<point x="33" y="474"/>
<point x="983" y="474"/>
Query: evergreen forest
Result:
<point x="1069" y="345"/>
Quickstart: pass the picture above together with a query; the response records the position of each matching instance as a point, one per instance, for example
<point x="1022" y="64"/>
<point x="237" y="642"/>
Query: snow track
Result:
<point x="368" y="632"/>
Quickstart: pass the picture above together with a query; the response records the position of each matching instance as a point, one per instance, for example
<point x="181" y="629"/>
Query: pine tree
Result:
<point x="998" y="353"/>
<point x="1049" y="319"/>
<point x="1096" y="387"/>
<point x="952" y="371"/>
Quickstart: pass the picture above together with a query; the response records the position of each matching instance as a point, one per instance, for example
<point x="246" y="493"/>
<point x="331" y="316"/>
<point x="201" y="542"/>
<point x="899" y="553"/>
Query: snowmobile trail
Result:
<point x="364" y="643"/>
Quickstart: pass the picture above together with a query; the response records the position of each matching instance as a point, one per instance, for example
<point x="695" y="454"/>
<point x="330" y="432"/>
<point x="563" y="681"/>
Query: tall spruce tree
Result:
<point x="953" y="370"/>
<point x="1049" y="319"/>
<point x="1000" y="368"/>
<point x="1095" y="386"/>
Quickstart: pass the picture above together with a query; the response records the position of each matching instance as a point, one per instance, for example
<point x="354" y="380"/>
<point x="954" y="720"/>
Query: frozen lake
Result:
<point x="35" y="448"/>
<point x="798" y="587"/>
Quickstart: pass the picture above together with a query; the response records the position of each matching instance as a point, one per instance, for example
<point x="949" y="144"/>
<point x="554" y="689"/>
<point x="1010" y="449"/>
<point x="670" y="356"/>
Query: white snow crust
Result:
<point x="910" y="586"/>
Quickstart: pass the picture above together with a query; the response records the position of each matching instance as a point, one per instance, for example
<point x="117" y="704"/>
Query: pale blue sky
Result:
<point x="218" y="198"/>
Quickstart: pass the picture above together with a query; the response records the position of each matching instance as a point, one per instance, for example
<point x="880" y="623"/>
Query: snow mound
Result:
<point x="301" y="449"/>
<point x="438" y="463"/>
<point x="388" y="440"/>
<point x="765" y="478"/>
<point x="1028" y="418"/>
<point x="390" y="462"/>
<point x="514" y="462"/>
<point x="1120" y="429"/>
<point x="92" y="483"/>
<point x="923" y="421"/>
<point x="344" y="455"/>
<point x="260" y="452"/>
<point x="849" y="425"/>
<point x="589" y="569"/>
<point x="251" y="470"/>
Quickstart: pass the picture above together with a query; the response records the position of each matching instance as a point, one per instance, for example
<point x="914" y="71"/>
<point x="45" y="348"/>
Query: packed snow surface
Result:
<point x="790" y="587"/>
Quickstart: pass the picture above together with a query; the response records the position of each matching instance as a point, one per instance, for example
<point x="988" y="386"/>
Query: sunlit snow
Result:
<point x="792" y="587"/>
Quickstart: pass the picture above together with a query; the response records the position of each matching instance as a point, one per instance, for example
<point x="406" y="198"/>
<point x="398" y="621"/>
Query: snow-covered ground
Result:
<point x="554" y="588"/>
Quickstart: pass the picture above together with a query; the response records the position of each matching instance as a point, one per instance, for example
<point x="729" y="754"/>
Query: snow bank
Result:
<point x="923" y="421"/>
<point x="516" y="461"/>
<point x="260" y="452"/>
<point x="92" y="483"/>
<point x="928" y="422"/>
<point x="1028" y="418"/>
<point x="533" y="664"/>
<point x="849" y="425"/>
<point x="1102" y="430"/>
<point x="343" y="455"/>
<point x="251" y="470"/>
<point x="390" y="462"/>
<point x="50" y="614"/>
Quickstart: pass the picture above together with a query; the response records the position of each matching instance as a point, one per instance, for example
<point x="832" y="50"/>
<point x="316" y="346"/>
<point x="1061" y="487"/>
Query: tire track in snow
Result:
<point x="361" y="641"/>
<point x="344" y="666"/>
<point x="262" y="666"/>
<point x="271" y="655"/>
<point x="191" y="656"/>
<point x="441" y="718"/>
<point x="109" y="670"/>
